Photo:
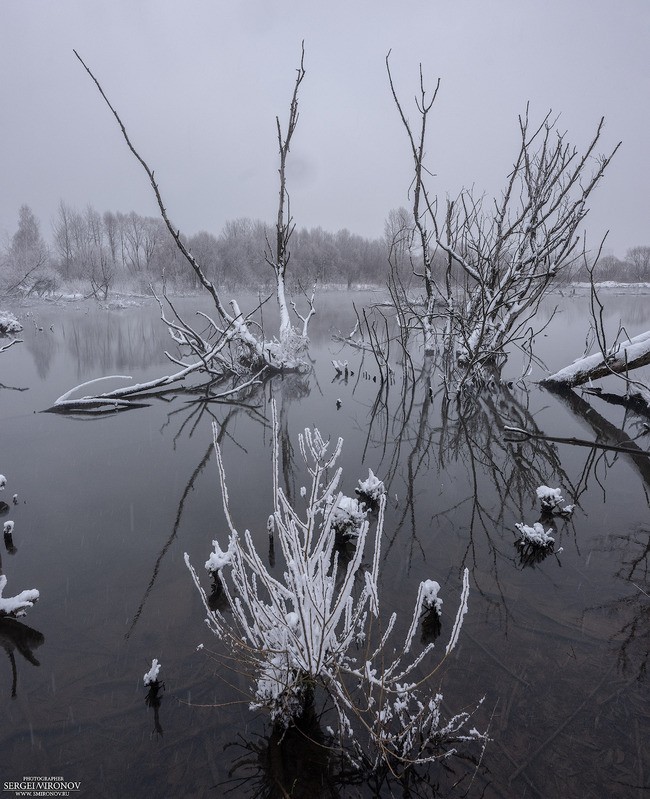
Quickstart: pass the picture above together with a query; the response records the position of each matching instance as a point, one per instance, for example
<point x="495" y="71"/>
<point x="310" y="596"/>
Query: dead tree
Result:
<point x="278" y="257"/>
<point x="229" y="347"/>
<point x="421" y="208"/>
<point x="505" y="254"/>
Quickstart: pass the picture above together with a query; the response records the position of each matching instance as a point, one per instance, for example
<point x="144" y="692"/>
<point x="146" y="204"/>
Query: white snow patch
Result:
<point x="218" y="559"/>
<point x="550" y="498"/>
<point x="430" y="589"/>
<point x="152" y="675"/>
<point x="16" y="605"/>
<point x="535" y="535"/>
<point x="9" y="323"/>
<point x="348" y="516"/>
<point x="372" y="487"/>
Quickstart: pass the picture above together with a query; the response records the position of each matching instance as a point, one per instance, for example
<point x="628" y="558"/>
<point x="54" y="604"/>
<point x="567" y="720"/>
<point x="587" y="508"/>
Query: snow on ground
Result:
<point x="9" y="324"/>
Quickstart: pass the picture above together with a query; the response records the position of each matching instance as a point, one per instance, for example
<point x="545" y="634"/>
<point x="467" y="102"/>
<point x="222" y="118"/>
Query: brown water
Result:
<point x="107" y="507"/>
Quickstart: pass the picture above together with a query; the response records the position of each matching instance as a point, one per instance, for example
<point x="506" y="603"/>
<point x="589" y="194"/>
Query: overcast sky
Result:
<point x="199" y="83"/>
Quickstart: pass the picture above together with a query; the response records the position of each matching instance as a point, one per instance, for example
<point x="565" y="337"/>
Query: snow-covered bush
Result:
<point x="9" y="324"/>
<point x="535" y="535"/>
<point x="317" y="625"/>
<point x="551" y="500"/>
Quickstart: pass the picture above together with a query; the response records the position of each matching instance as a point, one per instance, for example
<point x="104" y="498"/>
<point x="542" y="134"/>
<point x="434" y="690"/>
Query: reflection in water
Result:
<point x="9" y="544"/>
<point x="104" y="341"/>
<point x="430" y="626"/>
<point x="17" y="636"/>
<point x="298" y="762"/>
<point x="42" y="346"/>
<point x="530" y="554"/>
<point x="153" y="699"/>
<point x="544" y="643"/>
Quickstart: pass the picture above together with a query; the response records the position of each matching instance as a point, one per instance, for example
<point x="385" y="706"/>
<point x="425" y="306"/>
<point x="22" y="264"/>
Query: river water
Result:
<point x="106" y="508"/>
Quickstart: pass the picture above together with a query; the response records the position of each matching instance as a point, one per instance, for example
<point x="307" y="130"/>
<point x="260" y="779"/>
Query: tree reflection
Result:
<point x="301" y="762"/>
<point x="15" y="636"/>
<point x="297" y="762"/>
<point x="632" y="548"/>
<point x="437" y="437"/>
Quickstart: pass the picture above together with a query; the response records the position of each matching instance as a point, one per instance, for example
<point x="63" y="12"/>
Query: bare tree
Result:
<point x="639" y="260"/>
<point x="26" y="262"/>
<point x="225" y="345"/>
<point x="503" y="255"/>
<point x="278" y="257"/>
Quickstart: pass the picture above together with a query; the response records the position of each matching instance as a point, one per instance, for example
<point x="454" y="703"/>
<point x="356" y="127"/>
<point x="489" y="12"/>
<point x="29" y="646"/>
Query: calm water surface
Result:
<point x="107" y="507"/>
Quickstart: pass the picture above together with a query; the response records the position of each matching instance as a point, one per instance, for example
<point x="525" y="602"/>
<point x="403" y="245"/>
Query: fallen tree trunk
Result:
<point x="620" y="359"/>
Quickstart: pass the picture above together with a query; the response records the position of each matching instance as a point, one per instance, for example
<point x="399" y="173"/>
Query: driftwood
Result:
<point x="620" y="359"/>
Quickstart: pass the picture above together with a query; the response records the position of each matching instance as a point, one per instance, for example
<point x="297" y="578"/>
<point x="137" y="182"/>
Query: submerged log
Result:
<point x="622" y="358"/>
<point x="606" y="432"/>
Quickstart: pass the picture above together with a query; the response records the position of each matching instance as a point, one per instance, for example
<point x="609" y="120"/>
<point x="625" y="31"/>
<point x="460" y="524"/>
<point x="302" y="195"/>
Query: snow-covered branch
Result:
<point x="620" y="358"/>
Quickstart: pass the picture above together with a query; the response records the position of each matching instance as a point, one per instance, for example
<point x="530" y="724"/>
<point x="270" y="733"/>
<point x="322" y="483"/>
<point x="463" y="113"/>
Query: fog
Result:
<point x="199" y="86"/>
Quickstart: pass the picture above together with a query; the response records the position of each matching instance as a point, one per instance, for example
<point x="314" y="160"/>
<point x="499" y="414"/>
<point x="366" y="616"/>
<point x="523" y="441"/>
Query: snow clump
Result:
<point x="9" y="324"/>
<point x="430" y="598"/>
<point x="16" y="605"/>
<point x="371" y="488"/>
<point x="550" y="498"/>
<point x="218" y="559"/>
<point x="535" y="535"/>
<point x="151" y="676"/>
<point x="348" y="516"/>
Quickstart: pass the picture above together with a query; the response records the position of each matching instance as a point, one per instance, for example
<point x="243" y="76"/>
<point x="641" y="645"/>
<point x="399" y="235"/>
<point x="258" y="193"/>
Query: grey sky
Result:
<point x="199" y="83"/>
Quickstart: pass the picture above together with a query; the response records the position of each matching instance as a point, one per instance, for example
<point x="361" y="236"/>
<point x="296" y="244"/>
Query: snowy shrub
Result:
<point x="318" y="625"/>
<point x="535" y="535"/>
<point x="218" y="559"/>
<point x="550" y="498"/>
<point x="9" y="324"/>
